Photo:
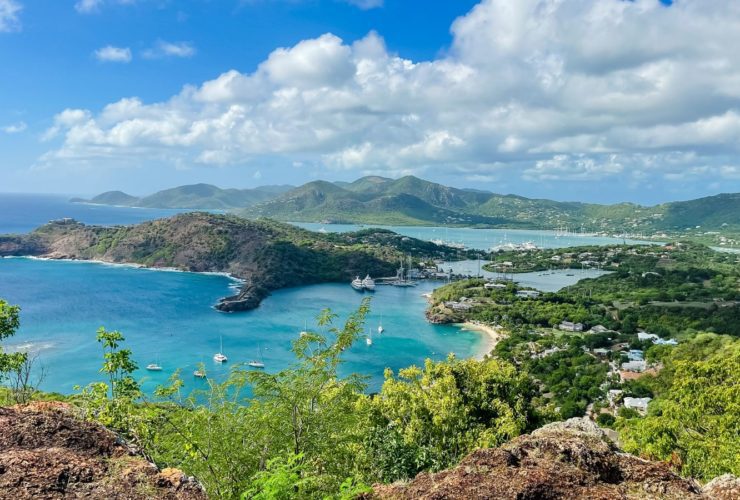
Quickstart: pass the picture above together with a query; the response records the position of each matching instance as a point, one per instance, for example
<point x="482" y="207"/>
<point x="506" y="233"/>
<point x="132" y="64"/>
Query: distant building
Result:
<point x="635" y="355"/>
<point x="637" y="366"/>
<point x="600" y="351"/>
<point x="666" y="342"/>
<point x="639" y="404"/>
<point x="647" y="336"/>
<point x="494" y="286"/>
<point x="598" y="329"/>
<point x="528" y="294"/>
<point x="569" y="326"/>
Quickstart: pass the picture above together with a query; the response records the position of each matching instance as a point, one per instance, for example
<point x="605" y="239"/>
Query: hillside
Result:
<point x="265" y="254"/>
<point x="413" y="201"/>
<point x="195" y="196"/>
<point x="374" y="200"/>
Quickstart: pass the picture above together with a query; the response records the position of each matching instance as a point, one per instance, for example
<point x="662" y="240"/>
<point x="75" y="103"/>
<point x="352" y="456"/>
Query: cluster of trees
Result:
<point x="694" y="421"/>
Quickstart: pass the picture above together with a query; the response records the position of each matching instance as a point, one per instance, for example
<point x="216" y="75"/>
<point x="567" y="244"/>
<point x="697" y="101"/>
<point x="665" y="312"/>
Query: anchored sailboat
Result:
<point x="220" y="357"/>
<point x="257" y="364"/>
<point x="380" y="325"/>
<point x="154" y="367"/>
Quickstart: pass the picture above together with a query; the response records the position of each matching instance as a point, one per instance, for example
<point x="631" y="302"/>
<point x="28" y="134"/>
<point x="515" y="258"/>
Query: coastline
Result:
<point x="491" y="336"/>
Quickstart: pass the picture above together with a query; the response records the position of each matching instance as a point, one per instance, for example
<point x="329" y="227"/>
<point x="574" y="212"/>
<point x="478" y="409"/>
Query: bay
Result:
<point x="168" y="317"/>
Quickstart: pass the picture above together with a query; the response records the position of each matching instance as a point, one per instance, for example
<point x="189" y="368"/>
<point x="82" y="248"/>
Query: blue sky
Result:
<point x="594" y="100"/>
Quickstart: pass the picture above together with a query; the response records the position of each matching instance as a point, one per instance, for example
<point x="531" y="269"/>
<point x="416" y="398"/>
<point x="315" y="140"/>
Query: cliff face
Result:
<point x="565" y="460"/>
<point x="266" y="255"/>
<point x="46" y="453"/>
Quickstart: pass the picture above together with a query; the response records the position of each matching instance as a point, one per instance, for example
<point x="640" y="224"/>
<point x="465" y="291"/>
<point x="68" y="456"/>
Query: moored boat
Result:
<point x="357" y="284"/>
<point x="368" y="283"/>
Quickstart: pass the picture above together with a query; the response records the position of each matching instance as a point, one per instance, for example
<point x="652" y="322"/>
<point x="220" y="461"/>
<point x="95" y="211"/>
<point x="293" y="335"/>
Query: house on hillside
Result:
<point x="639" y="404"/>
<point x="636" y="366"/>
<point x="528" y="294"/>
<point x="569" y="326"/>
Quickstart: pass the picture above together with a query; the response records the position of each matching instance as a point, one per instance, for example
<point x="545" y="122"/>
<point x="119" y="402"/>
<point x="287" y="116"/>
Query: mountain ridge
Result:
<point x="410" y="200"/>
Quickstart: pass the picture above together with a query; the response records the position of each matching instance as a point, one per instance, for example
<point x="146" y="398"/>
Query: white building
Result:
<point x="634" y="366"/>
<point x="569" y="326"/>
<point x="528" y="294"/>
<point x="639" y="404"/>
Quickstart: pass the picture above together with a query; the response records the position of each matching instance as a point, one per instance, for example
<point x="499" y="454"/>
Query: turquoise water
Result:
<point x="481" y="239"/>
<point x="167" y="317"/>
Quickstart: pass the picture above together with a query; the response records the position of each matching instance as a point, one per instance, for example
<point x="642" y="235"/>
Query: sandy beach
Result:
<point x="492" y="336"/>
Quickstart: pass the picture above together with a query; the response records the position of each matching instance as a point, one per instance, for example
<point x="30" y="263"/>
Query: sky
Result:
<point x="587" y="100"/>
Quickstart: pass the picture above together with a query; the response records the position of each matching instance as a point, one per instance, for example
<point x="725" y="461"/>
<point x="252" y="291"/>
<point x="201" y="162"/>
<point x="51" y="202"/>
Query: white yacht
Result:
<point x="368" y="283"/>
<point x="199" y="374"/>
<point x="153" y="367"/>
<point x="357" y="284"/>
<point x="220" y="357"/>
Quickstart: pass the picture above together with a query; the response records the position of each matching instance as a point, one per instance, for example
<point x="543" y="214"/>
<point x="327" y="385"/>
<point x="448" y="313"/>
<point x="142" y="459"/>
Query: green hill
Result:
<point x="413" y="201"/>
<point x="195" y="196"/>
<point x="115" y="198"/>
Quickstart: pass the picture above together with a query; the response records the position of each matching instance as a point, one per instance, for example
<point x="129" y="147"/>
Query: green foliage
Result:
<point x="695" y="420"/>
<point x="113" y="403"/>
<point x="430" y="417"/>
<point x="299" y="429"/>
<point x="9" y="323"/>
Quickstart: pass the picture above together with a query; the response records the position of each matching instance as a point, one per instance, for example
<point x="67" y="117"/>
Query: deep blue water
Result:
<point x="21" y="213"/>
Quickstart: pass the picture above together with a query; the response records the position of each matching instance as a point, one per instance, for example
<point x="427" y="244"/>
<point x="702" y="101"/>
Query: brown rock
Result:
<point x="726" y="487"/>
<point x="47" y="453"/>
<point x="566" y="460"/>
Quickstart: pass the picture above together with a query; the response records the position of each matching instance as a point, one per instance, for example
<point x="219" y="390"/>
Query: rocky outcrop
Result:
<point x="565" y="460"/>
<point x="47" y="453"/>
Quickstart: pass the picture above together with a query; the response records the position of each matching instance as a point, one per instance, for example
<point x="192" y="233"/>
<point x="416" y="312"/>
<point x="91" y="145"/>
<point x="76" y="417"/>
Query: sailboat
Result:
<point x="369" y="338"/>
<point x="304" y="332"/>
<point x="154" y="367"/>
<point x="219" y="357"/>
<point x="257" y="364"/>
<point x="380" y="326"/>
<point x="200" y="372"/>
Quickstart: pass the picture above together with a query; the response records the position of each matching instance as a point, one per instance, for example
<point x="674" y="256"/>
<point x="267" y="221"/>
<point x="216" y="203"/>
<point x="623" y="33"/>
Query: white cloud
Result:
<point x="14" y="128"/>
<point x="543" y="90"/>
<point x="110" y="53"/>
<point x="9" y="15"/>
<point x="164" y="49"/>
<point x="88" y="6"/>
<point x="93" y="6"/>
<point x="366" y="4"/>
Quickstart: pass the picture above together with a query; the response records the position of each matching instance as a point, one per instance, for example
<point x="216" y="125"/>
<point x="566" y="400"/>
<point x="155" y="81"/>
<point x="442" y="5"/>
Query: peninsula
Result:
<point x="264" y="254"/>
